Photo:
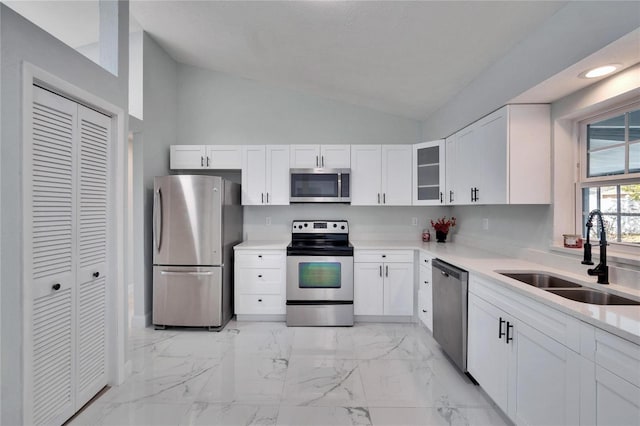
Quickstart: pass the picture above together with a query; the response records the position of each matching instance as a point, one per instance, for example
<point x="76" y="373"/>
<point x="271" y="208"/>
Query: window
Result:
<point x="610" y="179"/>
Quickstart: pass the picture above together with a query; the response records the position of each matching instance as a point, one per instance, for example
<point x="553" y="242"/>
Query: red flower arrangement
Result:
<point x="442" y="224"/>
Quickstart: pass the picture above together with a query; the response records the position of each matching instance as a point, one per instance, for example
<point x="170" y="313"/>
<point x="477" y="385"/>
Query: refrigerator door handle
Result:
<point x="185" y="273"/>
<point x="157" y="212"/>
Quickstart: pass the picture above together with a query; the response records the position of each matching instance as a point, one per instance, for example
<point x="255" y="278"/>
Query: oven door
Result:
<point x="320" y="278"/>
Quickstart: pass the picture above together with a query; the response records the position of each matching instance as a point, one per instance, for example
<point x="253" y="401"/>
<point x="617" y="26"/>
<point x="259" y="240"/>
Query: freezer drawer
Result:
<point x="187" y="296"/>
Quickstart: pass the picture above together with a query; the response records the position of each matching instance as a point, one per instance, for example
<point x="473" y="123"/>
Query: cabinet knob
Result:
<point x="424" y="311"/>
<point x="384" y="255"/>
<point x="259" y="300"/>
<point x="259" y="276"/>
<point x="56" y="287"/>
<point x="426" y="282"/>
<point x="96" y="274"/>
<point x="426" y="261"/>
<point x="259" y="256"/>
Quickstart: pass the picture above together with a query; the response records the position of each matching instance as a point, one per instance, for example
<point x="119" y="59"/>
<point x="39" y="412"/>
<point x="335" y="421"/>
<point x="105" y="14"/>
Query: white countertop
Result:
<point x="262" y="245"/>
<point x="623" y="321"/>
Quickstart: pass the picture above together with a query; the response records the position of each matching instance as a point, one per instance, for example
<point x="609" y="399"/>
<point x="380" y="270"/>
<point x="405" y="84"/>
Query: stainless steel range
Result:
<point x="320" y="274"/>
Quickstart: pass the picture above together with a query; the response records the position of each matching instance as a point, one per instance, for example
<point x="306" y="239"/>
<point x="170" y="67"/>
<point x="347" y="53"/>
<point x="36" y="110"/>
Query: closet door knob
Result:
<point x="56" y="287"/>
<point x="96" y="274"/>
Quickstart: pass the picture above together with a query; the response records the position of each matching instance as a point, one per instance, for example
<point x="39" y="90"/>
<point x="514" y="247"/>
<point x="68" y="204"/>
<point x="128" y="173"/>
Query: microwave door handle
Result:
<point x="339" y="185"/>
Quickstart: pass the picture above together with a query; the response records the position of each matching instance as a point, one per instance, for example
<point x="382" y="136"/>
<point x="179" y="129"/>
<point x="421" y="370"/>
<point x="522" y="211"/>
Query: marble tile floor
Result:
<point x="264" y="373"/>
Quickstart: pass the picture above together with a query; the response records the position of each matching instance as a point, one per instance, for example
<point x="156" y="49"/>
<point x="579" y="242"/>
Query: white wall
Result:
<point x="23" y="41"/>
<point x="573" y="33"/>
<point x="152" y="146"/>
<point x="365" y="223"/>
<point x="217" y="108"/>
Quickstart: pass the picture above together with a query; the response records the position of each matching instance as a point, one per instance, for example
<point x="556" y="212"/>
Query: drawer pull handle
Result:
<point x="426" y="282"/>
<point x="259" y="300"/>
<point x="509" y="327"/>
<point x="500" y="332"/>
<point x="260" y="256"/>
<point x="384" y="255"/>
<point x="259" y="276"/>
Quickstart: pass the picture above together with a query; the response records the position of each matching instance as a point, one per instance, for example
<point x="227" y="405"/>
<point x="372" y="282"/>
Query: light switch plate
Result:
<point x="414" y="221"/>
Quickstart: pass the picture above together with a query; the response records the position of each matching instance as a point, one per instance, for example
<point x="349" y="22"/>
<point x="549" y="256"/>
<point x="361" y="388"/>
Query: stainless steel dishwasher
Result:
<point x="450" y="310"/>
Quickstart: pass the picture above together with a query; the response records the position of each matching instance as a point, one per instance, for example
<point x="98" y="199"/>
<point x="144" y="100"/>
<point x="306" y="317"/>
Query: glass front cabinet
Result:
<point x="429" y="173"/>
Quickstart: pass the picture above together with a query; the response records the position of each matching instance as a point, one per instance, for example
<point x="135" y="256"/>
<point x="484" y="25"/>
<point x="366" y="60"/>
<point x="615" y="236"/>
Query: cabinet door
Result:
<point x="305" y="156"/>
<point x="277" y="175"/>
<point x="396" y="175"/>
<point x="224" y="157"/>
<point x="366" y="172"/>
<point x="617" y="400"/>
<point x="253" y="175"/>
<point x="429" y="173"/>
<point x="335" y="156"/>
<point x="487" y="354"/>
<point x="492" y="159"/>
<point x="544" y="380"/>
<point x="368" y="289"/>
<point x="398" y="288"/>
<point x="467" y="170"/>
<point x="187" y="157"/>
<point x="452" y="171"/>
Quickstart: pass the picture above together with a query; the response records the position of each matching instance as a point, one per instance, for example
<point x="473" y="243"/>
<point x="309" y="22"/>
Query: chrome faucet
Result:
<point x="602" y="270"/>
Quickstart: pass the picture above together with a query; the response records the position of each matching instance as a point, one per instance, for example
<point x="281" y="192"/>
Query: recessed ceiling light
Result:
<point x="600" y="71"/>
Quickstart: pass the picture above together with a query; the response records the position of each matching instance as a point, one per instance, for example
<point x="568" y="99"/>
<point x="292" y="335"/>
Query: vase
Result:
<point x="441" y="237"/>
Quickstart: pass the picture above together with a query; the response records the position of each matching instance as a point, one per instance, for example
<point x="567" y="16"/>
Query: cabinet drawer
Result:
<point x="425" y="259"/>
<point x="260" y="304"/>
<point x="425" y="277"/>
<point x="257" y="259"/>
<point x="259" y="281"/>
<point x="387" y="256"/>
<point x="619" y="356"/>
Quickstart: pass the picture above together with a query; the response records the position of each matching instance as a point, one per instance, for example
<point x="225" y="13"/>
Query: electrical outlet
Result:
<point x="268" y="220"/>
<point x="485" y="224"/>
<point x="414" y="221"/>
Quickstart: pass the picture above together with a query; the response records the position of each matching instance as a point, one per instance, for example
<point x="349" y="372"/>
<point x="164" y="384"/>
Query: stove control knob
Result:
<point x="306" y="224"/>
<point x="335" y="225"/>
<point x="342" y="227"/>
<point x="300" y="226"/>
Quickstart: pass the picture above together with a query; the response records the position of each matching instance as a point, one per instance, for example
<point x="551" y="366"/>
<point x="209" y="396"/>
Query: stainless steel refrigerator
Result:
<point x="196" y="222"/>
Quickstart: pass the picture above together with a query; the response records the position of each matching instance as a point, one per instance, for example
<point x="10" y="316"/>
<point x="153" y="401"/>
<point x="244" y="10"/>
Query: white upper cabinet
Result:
<point x="429" y="173"/>
<point x="217" y="157"/>
<point x="493" y="160"/>
<point x="320" y="156"/>
<point x="381" y="175"/>
<point x="187" y="157"/>
<point x="396" y="175"/>
<point x="265" y="175"/>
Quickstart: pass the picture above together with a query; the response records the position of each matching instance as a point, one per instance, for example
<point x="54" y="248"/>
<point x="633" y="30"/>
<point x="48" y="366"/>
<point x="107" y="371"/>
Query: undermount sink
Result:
<point x="594" y="297"/>
<point x="568" y="289"/>
<point x="541" y="280"/>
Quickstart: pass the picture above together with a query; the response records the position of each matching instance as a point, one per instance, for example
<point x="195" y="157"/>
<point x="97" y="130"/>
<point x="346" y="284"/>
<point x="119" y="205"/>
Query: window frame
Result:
<point x="583" y="181"/>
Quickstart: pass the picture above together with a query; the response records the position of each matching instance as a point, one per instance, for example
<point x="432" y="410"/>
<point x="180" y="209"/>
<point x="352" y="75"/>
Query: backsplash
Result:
<point x="365" y="222"/>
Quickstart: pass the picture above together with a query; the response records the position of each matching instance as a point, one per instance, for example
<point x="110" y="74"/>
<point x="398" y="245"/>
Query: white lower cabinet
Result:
<point x="259" y="285"/>
<point x="611" y="381"/>
<point x="533" y="378"/>
<point x="383" y="282"/>
<point x="543" y="367"/>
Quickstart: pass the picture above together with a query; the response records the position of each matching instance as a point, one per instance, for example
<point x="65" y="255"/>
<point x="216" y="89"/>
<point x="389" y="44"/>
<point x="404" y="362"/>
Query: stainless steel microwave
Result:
<point x="320" y="186"/>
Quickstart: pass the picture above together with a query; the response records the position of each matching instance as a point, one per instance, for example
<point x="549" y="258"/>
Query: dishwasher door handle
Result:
<point x="444" y="273"/>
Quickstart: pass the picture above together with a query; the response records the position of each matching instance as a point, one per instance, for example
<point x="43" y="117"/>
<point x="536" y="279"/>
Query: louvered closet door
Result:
<point x="49" y="258"/>
<point x="95" y="133"/>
